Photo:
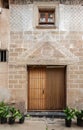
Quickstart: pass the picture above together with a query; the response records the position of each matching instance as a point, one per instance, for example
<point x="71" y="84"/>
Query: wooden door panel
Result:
<point x="46" y="88"/>
<point x="55" y="88"/>
<point x="36" y="88"/>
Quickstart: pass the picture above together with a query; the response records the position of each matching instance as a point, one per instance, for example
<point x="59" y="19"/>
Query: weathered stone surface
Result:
<point x="30" y="46"/>
<point x="60" y="1"/>
<point x="41" y="124"/>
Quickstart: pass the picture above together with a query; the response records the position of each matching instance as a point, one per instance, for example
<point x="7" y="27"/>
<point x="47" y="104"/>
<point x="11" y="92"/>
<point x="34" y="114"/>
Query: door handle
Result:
<point x="43" y="91"/>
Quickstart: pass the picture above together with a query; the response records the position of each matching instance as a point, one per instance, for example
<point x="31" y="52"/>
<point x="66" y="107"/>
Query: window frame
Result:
<point x="3" y="55"/>
<point x="45" y="5"/>
<point x="5" y="4"/>
<point x="46" y="12"/>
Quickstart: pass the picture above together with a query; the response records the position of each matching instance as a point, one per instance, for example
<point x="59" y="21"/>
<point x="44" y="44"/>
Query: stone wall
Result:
<point x="24" y="16"/>
<point x="60" y="1"/>
<point x="71" y="18"/>
<point x="18" y="85"/>
<point x="31" y="46"/>
<point x="4" y="29"/>
<point x="63" y="46"/>
<point x="4" y="45"/>
<point x="3" y="75"/>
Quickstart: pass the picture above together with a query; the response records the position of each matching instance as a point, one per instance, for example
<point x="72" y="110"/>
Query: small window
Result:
<point x="46" y="17"/>
<point x="3" y="55"/>
<point x="5" y="4"/>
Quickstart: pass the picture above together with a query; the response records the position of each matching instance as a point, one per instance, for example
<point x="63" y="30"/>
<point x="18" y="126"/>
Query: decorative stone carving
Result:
<point x="60" y="1"/>
<point x="21" y="19"/>
<point x="47" y="52"/>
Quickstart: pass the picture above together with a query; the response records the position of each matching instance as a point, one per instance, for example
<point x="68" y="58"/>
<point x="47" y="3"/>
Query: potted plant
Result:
<point x="4" y="110"/>
<point x="69" y="115"/>
<point x="22" y="118"/>
<point x="11" y="113"/>
<point x="3" y="118"/>
<point x="15" y="114"/>
<point x="12" y="116"/>
<point x="79" y="115"/>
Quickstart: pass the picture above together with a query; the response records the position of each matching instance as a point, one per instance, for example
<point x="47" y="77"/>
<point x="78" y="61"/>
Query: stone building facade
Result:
<point x="29" y="44"/>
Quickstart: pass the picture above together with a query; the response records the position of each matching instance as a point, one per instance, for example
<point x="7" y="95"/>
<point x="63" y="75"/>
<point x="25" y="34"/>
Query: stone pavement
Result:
<point x="40" y="124"/>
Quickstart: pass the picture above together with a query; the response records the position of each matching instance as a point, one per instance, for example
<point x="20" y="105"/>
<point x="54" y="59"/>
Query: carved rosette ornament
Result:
<point x="47" y="51"/>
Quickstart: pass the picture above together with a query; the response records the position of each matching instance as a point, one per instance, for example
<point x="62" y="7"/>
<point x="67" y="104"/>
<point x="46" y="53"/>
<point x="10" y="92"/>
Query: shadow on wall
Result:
<point x="4" y="94"/>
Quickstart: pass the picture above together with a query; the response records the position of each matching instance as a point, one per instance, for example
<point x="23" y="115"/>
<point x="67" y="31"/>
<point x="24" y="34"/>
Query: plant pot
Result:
<point x="21" y="120"/>
<point x="80" y="122"/>
<point x="68" y="123"/>
<point x="3" y="120"/>
<point x="11" y="120"/>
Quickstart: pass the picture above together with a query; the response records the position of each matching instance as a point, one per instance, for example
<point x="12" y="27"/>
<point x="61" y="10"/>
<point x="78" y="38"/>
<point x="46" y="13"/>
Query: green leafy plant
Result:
<point x="46" y="128"/>
<point x="27" y="115"/>
<point x="79" y="114"/>
<point x="21" y="120"/>
<point x="2" y="104"/>
<point x="14" y="113"/>
<point x="69" y="113"/>
<point x="11" y="113"/>
<point x="4" y="110"/>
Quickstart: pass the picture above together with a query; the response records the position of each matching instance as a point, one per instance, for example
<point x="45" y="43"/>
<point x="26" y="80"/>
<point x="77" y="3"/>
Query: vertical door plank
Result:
<point x="36" y="88"/>
<point x="55" y="86"/>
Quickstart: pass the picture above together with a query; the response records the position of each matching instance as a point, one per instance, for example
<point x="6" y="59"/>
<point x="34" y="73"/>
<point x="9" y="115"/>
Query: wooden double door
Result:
<point x="46" y="88"/>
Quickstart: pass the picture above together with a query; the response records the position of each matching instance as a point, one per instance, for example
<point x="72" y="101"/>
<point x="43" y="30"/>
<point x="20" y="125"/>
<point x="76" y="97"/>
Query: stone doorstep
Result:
<point x="46" y="114"/>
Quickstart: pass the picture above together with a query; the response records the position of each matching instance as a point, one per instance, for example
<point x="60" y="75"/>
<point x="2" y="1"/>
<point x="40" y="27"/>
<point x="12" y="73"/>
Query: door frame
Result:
<point x="50" y="66"/>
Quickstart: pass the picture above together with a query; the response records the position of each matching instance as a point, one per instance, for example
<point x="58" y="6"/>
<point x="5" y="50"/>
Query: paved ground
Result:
<point x="40" y="124"/>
